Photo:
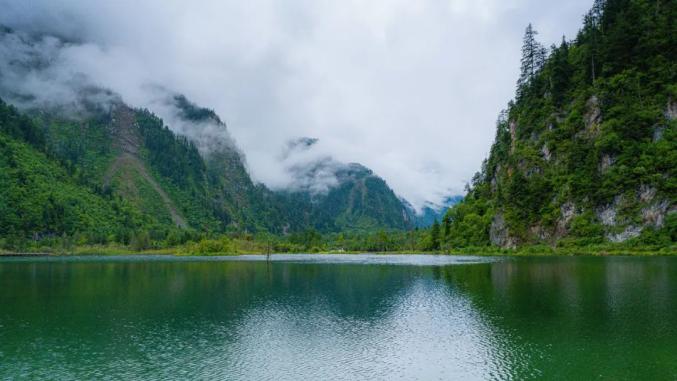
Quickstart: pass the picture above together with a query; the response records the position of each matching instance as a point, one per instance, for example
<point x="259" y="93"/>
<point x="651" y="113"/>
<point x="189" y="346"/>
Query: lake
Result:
<point x="338" y="317"/>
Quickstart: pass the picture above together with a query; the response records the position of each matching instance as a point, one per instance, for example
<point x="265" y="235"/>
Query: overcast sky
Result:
<point x="411" y="89"/>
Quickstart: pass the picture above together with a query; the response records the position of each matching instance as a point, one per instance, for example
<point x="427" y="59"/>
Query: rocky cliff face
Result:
<point x="583" y="157"/>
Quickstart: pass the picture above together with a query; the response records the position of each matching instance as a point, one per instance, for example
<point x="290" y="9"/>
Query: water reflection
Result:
<point x="570" y="318"/>
<point x="612" y="318"/>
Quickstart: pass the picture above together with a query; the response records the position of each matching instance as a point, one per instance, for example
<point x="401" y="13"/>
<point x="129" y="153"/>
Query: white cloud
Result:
<point x="410" y="89"/>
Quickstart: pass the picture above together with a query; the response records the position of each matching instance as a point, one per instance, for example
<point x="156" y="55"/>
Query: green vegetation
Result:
<point x="121" y="180"/>
<point x="586" y="154"/>
<point x="583" y="162"/>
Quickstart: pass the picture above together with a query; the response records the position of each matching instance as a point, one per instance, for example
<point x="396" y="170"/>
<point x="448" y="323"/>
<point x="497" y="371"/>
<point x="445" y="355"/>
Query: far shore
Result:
<point x="483" y="251"/>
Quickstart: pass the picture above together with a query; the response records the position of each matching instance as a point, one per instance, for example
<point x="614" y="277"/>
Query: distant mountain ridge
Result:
<point x="431" y="212"/>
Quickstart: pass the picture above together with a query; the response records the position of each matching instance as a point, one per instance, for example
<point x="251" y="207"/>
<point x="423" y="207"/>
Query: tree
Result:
<point x="435" y="236"/>
<point x="592" y="23"/>
<point x="446" y="223"/>
<point x="382" y="240"/>
<point x="533" y="57"/>
<point x="560" y="72"/>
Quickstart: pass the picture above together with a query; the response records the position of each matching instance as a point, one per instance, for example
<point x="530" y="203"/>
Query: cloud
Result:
<point x="411" y="89"/>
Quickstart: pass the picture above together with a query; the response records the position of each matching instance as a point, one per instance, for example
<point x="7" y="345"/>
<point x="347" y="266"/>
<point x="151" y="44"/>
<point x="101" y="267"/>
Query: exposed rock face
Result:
<point x="547" y="155"/>
<point x="606" y="163"/>
<point x="607" y="214"/>
<point x="658" y="133"/>
<point x="125" y="132"/>
<point x="499" y="234"/>
<point x="568" y="211"/>
<point x="494" y="178"/>
<point x="539" y="232"/>
<point x="654" y="214"/>
<point x="593" y="117"/>
<point x="646" y="193"/>
<point x="631" y="231"/>
<point x="671" y="111"/>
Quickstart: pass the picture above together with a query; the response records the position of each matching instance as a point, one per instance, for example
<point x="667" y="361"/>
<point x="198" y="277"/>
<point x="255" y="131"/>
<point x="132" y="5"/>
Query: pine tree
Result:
<point x="596" y="12"/>
<point x="534" y="56"/>
<point x="435" y="235"/>
<point x="592" y="24"/>
<point x="560" y="72"/>
<point x="446" y="224"/>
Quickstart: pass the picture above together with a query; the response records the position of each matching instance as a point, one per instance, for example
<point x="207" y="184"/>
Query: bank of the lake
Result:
<point x="193" y="250"/>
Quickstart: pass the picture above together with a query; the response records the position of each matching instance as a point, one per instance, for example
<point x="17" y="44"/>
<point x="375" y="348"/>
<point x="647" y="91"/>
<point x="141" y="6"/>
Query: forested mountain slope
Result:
<point x="83" y="166"/>
<point x="118" y="172"/>
<point x="587" y="151"/>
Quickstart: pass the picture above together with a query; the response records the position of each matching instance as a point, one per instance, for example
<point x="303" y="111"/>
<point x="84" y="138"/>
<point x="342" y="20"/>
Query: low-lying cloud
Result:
<point x="411" y="89"/>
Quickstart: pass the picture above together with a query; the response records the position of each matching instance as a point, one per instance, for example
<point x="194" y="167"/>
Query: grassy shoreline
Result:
<point x="536" y="250"/>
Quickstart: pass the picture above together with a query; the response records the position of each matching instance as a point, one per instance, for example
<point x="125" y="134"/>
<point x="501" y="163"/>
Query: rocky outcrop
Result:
<point x="513" y="135"/>
<point x="538" y="232"/>
<point x="629" y="232"/>
<point x="607" y="214"/>
<point x="499" y="233"/>
<point x="654" y="214"/>
<point x="620" y="228"/>
<point x="606" y="163"/>
<point x="671" y="110"/>
<point x="568" y="212"/>
<point x="593" y="116"/>
<point x="545" y="151"/>
<point x="658" y="133"/>
<point x="646" y="193"/>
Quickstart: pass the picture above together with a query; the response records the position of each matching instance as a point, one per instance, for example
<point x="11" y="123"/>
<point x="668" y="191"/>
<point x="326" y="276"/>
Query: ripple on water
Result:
<point x="337" y="318"/>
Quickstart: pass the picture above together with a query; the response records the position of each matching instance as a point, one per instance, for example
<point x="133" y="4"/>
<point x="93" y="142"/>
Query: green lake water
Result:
<point x="321" y="317"/>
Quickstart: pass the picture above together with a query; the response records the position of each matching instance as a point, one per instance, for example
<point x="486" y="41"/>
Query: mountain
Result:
<point x="332" y="196"/>
<point x="431" y="212"/>
<point x="587" y="151"/>
<point x="107" y="177"/>
<point x="87" y="166"/>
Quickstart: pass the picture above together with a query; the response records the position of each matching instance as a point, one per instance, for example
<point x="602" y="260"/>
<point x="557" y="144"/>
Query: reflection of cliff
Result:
<point x="599" y="313"/>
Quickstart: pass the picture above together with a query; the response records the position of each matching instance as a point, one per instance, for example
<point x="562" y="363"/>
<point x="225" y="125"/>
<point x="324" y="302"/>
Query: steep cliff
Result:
<point x="587" y="151"/>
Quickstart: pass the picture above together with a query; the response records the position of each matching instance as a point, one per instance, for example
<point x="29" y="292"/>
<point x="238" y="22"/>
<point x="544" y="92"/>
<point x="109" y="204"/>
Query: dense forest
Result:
<point x="120" y="176"/>
<point x="587" y="151"/>
<point x="584" y="157"/>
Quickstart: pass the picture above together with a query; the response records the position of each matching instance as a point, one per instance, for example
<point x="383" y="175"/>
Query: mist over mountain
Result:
<point x="375" y="95"/>
<point x="431" y="212"/>
<point x="171" y="161"/>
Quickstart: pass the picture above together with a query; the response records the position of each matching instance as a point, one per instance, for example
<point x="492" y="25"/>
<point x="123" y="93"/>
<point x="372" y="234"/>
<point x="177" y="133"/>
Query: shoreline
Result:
<point x="537" y="251"/>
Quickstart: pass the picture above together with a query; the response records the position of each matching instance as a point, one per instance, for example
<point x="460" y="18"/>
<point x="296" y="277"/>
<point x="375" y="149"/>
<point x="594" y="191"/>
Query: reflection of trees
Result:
<point x="601" y="314"/>
<point x="108" y="308"/>
<point x="533" y="316"/>
<point x="116" y="292"/>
